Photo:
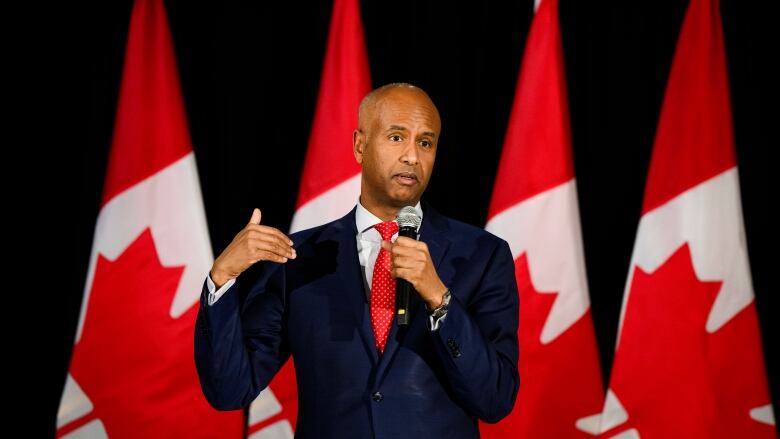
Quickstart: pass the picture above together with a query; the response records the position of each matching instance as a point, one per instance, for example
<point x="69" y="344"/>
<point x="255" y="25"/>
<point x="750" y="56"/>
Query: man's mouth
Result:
<point x="406" y="178"/>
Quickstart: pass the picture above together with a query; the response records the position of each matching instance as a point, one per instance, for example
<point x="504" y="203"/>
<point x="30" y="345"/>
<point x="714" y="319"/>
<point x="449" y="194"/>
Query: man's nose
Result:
<point x="409" y="155"/>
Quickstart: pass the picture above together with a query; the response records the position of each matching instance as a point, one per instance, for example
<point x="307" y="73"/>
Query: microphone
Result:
<point x="408" y="222"/>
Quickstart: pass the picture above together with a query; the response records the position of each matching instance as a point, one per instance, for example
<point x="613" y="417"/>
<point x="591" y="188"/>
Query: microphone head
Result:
<point x="408" y="217"/>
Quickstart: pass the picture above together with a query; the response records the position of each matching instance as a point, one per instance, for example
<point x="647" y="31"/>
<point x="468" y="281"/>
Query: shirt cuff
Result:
<point x="215" y="295"/>
<point x="436" y="321"/>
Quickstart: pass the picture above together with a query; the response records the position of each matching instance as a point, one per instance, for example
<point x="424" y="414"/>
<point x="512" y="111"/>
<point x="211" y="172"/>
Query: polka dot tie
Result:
<point x="383" y="288"/>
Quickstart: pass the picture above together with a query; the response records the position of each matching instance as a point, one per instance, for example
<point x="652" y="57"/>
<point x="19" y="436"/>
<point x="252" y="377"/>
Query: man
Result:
<point x="326" y="297"/>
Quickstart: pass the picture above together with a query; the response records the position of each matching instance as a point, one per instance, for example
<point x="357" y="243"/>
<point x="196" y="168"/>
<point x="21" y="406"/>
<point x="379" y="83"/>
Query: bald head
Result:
<point x="371" y="102"/>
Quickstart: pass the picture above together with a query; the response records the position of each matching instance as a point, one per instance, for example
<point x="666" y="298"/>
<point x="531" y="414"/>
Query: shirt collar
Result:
<point x="365" y="220"/>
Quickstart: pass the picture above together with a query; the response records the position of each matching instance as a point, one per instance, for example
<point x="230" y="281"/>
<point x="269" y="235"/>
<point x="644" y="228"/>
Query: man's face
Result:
<point x="396" y="148"/>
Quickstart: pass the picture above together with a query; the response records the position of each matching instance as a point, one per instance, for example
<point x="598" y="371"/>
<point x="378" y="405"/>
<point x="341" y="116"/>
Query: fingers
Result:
<point x="269" y="230"/>
<point x="407" y="242"/>
<point x="414" y="252"/>
<point x="263" y="255"/>
<point x="272" y="243"/>
<point x="404" y="273"/>
<point x="256" y="214"/>
<point x="271" y="251"/>
<point x="404" y="242"/>
<point x="414" y="261"/>
<point x="400" y="273"/>
<point x="408" y="247"/>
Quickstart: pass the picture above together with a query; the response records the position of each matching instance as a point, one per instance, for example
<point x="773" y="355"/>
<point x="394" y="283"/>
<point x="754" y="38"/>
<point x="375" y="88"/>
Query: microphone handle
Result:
<point x="403" y="288"/>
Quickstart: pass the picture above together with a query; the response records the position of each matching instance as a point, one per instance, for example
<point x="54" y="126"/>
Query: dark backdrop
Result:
<point x="250" y="75"/>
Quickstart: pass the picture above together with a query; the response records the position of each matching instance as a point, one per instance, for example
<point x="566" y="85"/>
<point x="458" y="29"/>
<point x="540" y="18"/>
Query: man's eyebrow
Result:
<point x="401" y="128"/>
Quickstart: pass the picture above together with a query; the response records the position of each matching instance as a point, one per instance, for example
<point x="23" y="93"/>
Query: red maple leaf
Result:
<point x="135" y="362"/>
<point x="560" y="382"/>
<point x="675" y="379"/>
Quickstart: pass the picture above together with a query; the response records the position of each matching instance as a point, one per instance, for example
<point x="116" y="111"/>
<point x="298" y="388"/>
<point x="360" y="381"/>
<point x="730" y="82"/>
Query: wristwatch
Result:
<point x="441" y="310"/>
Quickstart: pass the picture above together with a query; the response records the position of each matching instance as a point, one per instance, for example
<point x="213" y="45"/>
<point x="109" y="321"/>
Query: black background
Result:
<point x="250" y="74"/>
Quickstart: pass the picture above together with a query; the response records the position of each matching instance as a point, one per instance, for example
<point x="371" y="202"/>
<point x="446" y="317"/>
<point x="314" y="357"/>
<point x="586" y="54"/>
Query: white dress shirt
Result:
<point x="368" y="245"/>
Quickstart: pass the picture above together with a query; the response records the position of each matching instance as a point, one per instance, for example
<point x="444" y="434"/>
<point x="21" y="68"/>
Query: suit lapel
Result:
<point x="352" y="281"/>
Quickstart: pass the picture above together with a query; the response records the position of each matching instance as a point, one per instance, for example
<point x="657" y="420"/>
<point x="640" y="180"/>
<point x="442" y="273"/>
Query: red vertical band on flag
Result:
<point x="345" y="80"/>
<point x="695" y="140"/>
<point x="150" y="131"/>
<point x="539" y="121"/>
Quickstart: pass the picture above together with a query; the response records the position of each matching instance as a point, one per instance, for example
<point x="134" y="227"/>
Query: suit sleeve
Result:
<point x="478" y="342"/>
<point x="240" y="342"/>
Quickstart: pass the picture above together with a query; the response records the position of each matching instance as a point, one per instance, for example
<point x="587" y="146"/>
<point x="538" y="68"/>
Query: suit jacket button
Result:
<point x="377" y="396"/>
<point x="454" y="348"/>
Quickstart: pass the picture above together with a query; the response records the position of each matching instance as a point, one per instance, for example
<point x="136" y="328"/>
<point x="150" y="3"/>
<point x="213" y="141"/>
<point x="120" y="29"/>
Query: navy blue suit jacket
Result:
<point x="314" y="307"/>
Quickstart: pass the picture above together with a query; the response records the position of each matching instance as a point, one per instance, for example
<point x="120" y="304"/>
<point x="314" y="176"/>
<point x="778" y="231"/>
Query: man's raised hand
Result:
<point x="252" y="244"/>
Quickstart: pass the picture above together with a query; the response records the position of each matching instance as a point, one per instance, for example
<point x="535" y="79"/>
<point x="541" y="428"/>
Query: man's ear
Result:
<point x="358" y="145"/>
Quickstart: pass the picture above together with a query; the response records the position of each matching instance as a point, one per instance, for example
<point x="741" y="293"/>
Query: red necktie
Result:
<point x="383" y="288"/>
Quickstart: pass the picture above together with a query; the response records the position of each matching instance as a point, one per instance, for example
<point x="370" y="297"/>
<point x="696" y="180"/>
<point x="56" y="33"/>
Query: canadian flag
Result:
<point x="330" y="184"/>
<point x="534" y="208"/>
<point x="132" y="372"/>
<point x="688" y="361"/>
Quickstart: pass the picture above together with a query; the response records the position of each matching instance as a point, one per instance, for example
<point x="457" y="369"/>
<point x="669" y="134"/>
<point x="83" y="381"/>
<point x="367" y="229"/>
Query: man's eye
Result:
<point x="395" y="138"/>
<point x="425" y="143"/>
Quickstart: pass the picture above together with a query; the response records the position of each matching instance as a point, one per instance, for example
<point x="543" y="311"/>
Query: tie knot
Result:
<point x="387" y="229"/>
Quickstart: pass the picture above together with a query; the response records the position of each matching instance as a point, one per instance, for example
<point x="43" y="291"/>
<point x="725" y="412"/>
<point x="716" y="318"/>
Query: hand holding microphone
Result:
<point x="412" y="266"/>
